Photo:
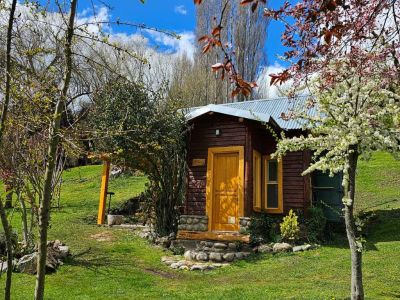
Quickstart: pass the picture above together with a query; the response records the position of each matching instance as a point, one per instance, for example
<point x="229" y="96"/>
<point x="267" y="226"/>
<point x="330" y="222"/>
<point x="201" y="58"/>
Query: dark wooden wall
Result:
<point x="252" y="135"/>
<point x="296" y="187"/>
<point x="202" y="137"/>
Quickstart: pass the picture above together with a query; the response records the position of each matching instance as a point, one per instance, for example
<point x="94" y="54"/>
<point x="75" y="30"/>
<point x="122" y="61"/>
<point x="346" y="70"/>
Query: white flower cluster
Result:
<point x="358" y="113"/>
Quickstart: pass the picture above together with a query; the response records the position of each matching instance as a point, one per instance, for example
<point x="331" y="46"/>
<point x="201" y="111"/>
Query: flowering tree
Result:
<point x="346" y="53"/>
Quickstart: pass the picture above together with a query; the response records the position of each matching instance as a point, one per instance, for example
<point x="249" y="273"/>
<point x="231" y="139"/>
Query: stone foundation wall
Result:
<point x="244" y="223"/>
<point x="193" y="223"/>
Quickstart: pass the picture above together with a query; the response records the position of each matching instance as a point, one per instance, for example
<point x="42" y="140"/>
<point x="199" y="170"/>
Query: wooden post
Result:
<point x="103" y="192"/>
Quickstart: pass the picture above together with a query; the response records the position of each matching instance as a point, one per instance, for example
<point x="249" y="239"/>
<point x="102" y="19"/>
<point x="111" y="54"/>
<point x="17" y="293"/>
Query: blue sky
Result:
<point x="175" y="15"/>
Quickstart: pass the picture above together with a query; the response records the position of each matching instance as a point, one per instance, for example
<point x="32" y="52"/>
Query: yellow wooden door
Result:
<point x="225" y="191"/>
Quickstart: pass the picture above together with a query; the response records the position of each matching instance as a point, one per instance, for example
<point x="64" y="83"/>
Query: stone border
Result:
<point x="244" y="223"/>
<point x="193" y="223"/>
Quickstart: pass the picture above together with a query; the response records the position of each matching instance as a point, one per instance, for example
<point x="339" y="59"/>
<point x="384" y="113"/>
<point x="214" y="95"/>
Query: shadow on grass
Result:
<point x="87" y="260"/>
<point x="381" y="226"/>
<point x="384" y="226"/>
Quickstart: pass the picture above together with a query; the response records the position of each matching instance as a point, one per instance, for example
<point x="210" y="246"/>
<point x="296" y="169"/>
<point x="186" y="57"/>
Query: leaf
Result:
<point x="197" y="2"/>
<point x="253" y="84"/>
<point x="217" y="66"/>
<point x="246" y="91"/>
<point x="216" y="31"/>
<point x="236" y="92"/>
<point x="206" y="47"/>
<point x="203" y="38"/>
<point x="245" y="2"/>
<point x="143" y="1"/>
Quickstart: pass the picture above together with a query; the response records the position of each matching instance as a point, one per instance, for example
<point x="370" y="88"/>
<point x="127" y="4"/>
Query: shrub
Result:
<point x="315" y="224"/>
<point x="290" y="228"/>
<point x="263" y="228"/>
<point x="145" y="132"/>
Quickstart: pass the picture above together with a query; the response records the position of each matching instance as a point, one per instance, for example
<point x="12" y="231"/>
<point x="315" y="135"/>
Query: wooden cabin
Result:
<point x="231" y="175"/>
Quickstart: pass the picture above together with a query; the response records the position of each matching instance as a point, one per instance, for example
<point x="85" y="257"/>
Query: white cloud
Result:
<point x="95" y="23"/>
<point x="265" y="90"/>
<point x="180" y="9"/>
<point x="182" y="45"/>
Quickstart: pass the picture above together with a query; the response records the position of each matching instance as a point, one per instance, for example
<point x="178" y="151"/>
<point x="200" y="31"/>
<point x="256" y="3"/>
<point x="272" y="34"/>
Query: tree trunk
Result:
<point x="3" y="216"/>
<point x="7" y="233"/>
<point x="25" y="230"/>
<point x="349" y="183"/>
<point x="44" y="209"/>
<point x="9" y="193"/>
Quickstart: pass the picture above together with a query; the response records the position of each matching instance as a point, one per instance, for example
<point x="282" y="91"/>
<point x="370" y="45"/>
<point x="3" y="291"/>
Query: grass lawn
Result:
<point x="115" y="264"/>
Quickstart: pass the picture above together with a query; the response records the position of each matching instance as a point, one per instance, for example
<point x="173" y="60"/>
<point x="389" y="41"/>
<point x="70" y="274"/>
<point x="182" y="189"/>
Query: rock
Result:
<point x="302" y="248"/>
<point x="188" y="221"/>
<point x="202" y="256"/>
<point x="220" y="246"/>
<point x="164" y="241"/>
<point x="172" y="236"/>
<point x="239" y="255"/>
<point x="115" y="220"/>
<point x="27" y="264"/>
<point x="264" y="248"/>
<point x="56" y="243"/>
<point x="4" y="265"/>
<point x="281" y="247"/>
<point x="246" y="254"/>
<point x="198" y="268"/>
<point x="214" y="256"/>
<point x="211" y="267"/>
<point x="242" y="230"/>
<point x="164" y="258"/>
<point x="190" y="255"/>
<point x="209" y="244"/>
<point x="64" y="251"/>
<point x="218" y="250"/>
<point x="232" y="246"/>
<point x="207" y="249"/>
<point x="175" y="265"/>
<point x="184" y="268"/>
<point x="229" y="256"/>
<point x="53" y="259"/>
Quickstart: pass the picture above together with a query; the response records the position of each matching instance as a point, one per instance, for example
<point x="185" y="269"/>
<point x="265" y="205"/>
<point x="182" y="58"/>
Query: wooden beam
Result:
<point x="213" y="235"/>
<point x="103" y="192"/>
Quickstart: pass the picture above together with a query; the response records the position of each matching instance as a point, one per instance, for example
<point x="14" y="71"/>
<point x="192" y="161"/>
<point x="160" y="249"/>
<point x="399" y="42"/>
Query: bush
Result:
<point x="290" y="228"/>
<point x="315" y="224"/>
<point x="145" y="132"/>
<point x="263" y="228"/>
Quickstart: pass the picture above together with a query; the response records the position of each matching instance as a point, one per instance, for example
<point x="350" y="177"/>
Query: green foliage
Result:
<point x="94" y="271"/>
<point x="263" y="228"/>
<point x="315" y="224"/>
<point x="145" y="132"/>
<point x="290" y="227"/>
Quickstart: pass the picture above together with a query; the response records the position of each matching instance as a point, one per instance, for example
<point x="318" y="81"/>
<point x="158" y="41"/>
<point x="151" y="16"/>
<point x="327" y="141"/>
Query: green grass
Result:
<point x="127" y="267"/>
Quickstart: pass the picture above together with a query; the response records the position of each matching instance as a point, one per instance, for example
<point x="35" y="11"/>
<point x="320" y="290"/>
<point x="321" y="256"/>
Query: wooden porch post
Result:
<point x="103" y="192"/>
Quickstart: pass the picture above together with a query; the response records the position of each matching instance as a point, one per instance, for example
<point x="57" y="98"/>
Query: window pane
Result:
<point x="272" y="170"/>
<point x="272" y="196"/>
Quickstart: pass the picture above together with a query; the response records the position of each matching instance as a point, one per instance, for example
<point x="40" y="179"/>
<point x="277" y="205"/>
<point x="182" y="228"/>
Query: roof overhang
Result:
<point x="240" y="113"/>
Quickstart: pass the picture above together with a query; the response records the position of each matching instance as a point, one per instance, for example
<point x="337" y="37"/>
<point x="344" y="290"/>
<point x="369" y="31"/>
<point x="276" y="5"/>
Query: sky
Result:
<point x="172" y="15"/>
